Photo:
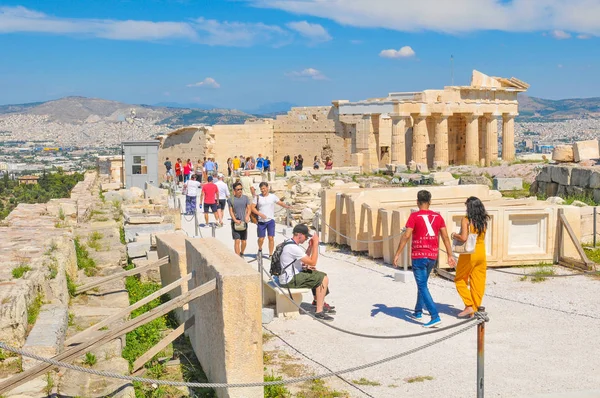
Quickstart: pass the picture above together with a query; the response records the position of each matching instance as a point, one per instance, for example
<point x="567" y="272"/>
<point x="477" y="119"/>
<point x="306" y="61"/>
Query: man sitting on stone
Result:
<point x="299" y="269"/>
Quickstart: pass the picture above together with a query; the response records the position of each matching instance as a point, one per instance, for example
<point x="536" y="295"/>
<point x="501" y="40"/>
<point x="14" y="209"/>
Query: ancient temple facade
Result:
<point x="437" y="128"/>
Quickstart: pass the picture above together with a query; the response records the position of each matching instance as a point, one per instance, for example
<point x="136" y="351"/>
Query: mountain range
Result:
<point x="532" y="108"/>
<point x="82" y="110"/>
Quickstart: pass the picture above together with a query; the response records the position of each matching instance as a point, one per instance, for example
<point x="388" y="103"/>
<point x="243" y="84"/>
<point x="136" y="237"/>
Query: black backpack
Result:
<point x="276" y="268"/>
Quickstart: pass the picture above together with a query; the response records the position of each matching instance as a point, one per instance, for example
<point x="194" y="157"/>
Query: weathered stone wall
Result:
<point x="311" y="131"/>
<point x="313" y="119"/>
<point x="39" y="236"/>
<point x="187" y="143"/>
<point x="227" y="335"/>
<point x="568" y="180"/>
<point x="310" y="144"/>
<point x="247" y="139"/>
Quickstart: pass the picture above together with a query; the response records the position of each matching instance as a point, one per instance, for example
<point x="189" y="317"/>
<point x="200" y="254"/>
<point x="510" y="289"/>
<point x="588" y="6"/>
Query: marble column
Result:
<point x="440" y="157"/>
<point x="363" y="131"/>
<point x="491" y="138"/>
<point x="400" y="123"/>
<point x="508" y="136"/>
<point x="420" y="138"/>
<point x="472" y="139"/>
<point x="482" y="126"/>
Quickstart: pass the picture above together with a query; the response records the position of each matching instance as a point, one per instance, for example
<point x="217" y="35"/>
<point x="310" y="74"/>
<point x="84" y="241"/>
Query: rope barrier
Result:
<point x="314" y="361"/>
<point x="363" y="241"/>
<point x="480" y="319"/>
<point x="369" y="336"/>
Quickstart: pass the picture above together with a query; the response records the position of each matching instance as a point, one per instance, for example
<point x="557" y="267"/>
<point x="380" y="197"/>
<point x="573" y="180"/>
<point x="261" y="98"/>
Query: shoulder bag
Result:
<point x="254" y="217"/>
<point x="238" y="226"/>
<point x="466" y="247"/>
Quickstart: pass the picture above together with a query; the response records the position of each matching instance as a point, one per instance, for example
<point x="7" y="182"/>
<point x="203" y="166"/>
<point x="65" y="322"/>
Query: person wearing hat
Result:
<point x="210" y="198"/>
<point x="223" y="196"/>
<point x="299" y="269"/>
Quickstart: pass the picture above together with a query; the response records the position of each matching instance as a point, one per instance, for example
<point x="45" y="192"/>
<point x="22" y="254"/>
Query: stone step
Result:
<point x="48" y="334"/>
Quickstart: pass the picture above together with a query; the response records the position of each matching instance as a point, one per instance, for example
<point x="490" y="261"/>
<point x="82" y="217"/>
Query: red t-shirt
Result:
<point x="210" y="192"/>
<point x="426" y="225"/>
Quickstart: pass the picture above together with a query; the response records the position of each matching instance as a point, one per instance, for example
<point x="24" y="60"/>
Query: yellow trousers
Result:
<point x="470" y="277"/>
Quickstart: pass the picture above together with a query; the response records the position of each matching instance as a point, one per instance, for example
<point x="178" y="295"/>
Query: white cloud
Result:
<point x="209" y="82"/>
<point x="21" y="19"/>
<point x="584" y="37"/>
<point x="457" y="16"/>
<point x="312" y="31"/>
<point x="404" y="52"/>
<point x="308" y="73"/>
<point x="560" y="34"/>
<point x="204" y="31"/>
<point x="240" y="34"/>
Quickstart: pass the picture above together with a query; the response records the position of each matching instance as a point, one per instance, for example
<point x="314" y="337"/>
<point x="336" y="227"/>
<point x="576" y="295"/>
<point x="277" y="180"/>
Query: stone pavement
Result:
<point x="538" y="339"/>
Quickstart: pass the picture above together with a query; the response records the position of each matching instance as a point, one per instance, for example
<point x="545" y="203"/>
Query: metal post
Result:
<point x="480" y="355"/>
<point x="196" y="223"/>
<point x="594" y="226"/>
<point x="287" y="217"/>
<point x="260" y="271"/>
<point x="213" y="227"/>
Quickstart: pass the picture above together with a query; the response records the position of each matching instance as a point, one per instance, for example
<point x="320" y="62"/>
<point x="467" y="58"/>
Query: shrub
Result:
<point x="33" y="310"/>
<point x="84" y="262"/>
<point x="275" y="391"/>
<point x="122" y="235"/>
<point x="19" y="271"/>
<point x="90" y="359"/>
<point x="94" y="240"/>
<point x="71" y="286"/>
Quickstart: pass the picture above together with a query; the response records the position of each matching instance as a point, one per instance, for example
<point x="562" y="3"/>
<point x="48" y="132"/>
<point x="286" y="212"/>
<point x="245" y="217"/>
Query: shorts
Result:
<point x="241" y="235"/>
<point x="266" y="228"/>
<point x="308" y="279"/>
<point x="213" y="206"/>
<point x="180" y="178"/>
<point x="170" y="173"/>
<point x="222" y="204"/>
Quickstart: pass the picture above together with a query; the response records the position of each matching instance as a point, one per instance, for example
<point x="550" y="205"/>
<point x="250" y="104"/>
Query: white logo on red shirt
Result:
<point x="429" y="224"/>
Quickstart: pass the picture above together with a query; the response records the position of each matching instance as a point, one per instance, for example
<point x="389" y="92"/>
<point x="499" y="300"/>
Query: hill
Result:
<point x="209" y="117"/>
<point x="95" y="122"/>
<point x="539" y="109"/>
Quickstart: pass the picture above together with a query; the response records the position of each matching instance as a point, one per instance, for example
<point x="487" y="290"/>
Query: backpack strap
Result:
<point x="287" y="266"/>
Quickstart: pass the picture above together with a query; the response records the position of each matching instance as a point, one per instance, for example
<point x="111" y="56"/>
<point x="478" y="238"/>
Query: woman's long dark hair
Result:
<point x="477" y="215"/>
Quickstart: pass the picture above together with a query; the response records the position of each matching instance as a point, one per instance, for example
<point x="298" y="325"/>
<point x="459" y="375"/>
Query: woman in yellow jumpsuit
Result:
<point x="471" y="268"/>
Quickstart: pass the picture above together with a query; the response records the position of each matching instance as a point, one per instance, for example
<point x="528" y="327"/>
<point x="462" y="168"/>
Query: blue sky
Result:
<point x="245" y="53"/>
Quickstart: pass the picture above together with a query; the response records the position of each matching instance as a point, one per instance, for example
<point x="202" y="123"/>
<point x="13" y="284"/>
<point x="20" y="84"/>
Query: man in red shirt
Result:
<point x="210" y="198"/>
<point x="425" y="226"/>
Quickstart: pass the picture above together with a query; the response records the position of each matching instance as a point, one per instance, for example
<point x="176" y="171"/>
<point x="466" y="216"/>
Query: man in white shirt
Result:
<point x="223" y="196"/>
<point x="264" y="208"/>
<point x="191" y="192"/>
<point x="299" y="269"/>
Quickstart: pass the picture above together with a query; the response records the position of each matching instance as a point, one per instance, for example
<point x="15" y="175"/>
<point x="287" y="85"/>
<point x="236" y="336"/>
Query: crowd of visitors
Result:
<point x="182" y="171"/>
